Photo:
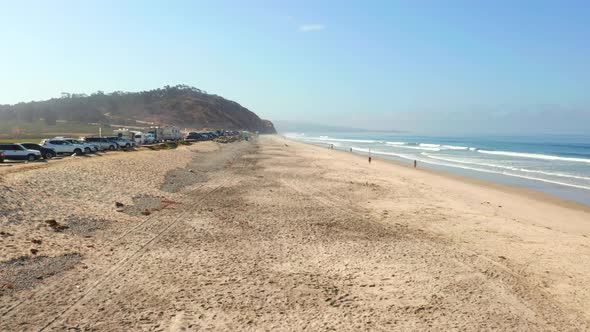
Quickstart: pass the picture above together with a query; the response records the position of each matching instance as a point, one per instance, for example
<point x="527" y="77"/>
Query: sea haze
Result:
<point x="558" y="165"/>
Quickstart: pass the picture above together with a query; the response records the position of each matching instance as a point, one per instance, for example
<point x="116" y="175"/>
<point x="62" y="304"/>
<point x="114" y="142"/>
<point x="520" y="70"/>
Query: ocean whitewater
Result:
<point x="557" y="165"/>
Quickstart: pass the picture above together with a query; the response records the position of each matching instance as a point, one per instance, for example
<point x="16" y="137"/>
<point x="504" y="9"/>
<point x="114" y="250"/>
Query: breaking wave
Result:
<point x="534" y="156"/>
<point x="518" y="169"/>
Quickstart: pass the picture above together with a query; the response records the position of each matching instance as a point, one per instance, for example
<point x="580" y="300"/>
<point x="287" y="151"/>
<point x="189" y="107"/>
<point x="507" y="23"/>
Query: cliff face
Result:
<point x="193" y="109"/>
<point x="183" y="106"/>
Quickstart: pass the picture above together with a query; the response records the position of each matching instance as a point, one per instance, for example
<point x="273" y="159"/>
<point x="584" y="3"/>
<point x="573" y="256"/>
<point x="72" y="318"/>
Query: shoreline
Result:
<point x="533" y="234"/>
<point x="490" y="184"/>
<point x="290" y="236"/>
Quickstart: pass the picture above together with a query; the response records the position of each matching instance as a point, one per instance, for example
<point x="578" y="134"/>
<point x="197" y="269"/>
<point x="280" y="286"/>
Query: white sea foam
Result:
<point x="326" y="138"/>
<point x="517" y="169"/>
<point x="454" y="147"/>
<point x="507" y="174"/>
<point x="475" y="169"/>
<point x="429" y="146"/>
<point x="522" y="176"/>
<point x="414" y="147"/>
<point x="534" y="156"/>
<point x="383" y="153"/>
<point x="462" y="164"/>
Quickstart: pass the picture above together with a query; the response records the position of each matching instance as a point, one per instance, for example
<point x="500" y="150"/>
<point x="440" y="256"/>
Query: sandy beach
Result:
<point x="275" y="234"/>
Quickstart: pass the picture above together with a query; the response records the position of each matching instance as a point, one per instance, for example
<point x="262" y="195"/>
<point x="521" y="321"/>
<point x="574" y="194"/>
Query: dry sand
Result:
<point x="279" y="235"/>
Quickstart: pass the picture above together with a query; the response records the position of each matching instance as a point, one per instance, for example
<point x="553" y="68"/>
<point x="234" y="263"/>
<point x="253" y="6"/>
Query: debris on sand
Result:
<point x="119" y="206"/>
<point x="36" y="241"/>
<point x="34" y="251"/>
<point x="6" y="285"/>
<point x="55" y="225"/>
<point x="168" y="202"/>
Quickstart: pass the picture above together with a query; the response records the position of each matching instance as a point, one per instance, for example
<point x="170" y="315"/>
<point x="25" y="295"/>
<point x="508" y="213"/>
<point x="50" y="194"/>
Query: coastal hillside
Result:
<point x="180" y="105"/>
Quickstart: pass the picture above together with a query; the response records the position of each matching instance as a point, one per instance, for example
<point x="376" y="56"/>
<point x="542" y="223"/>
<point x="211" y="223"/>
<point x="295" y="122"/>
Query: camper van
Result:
<point x="124" y="133"/>
<point x="167" y="133"/>
<point x="140" y="138"/>
<point x="171" y="133"/>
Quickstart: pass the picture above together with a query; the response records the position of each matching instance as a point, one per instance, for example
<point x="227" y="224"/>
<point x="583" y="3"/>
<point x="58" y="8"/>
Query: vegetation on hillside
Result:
<point x="180" y="105"/>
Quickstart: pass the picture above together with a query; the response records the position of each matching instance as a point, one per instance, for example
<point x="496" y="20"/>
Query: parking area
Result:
<point x="41" y="153"/>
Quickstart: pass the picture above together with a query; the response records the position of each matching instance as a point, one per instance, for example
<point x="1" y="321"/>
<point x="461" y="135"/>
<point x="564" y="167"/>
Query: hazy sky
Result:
<point x="425" y="66"/>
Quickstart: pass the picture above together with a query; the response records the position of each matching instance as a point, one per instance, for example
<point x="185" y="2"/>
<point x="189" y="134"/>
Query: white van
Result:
<point x="140" y="138"/>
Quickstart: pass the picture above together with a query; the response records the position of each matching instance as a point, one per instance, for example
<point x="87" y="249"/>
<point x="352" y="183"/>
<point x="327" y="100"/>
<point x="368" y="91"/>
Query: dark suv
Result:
<point x="46" y="153"/>
<point x="193" y="135"/>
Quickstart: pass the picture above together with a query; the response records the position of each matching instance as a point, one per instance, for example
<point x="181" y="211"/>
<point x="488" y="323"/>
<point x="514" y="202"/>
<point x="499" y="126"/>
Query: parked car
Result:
<point x="102" y="143"/>
<point x="123" y="143"/>
<point x="46" y="153"/>
<point x="14" y="151"/>
<point x="149" y="138"/>
<point x="193" y="135"/>
<point x="87" y="147"/>
<point x="231" y="133"/>
<point x="62" y="146"/>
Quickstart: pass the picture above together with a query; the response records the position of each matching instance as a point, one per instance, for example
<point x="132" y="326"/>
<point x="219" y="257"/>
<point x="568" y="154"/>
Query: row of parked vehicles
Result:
<point x="50" y="148"/>
<point x="209" y="134"/>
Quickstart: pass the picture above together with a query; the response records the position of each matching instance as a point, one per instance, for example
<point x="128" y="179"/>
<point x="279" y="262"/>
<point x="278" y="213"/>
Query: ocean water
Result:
<point x="558" y="165"/>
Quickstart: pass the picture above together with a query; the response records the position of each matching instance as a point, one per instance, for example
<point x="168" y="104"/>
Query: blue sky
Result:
<point x="424" y="66"/>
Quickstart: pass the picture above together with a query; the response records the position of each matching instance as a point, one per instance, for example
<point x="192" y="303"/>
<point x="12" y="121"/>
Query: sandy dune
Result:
<point x="279" y="235"/>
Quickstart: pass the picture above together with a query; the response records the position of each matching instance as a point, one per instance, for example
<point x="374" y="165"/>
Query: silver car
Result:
<point x="102" y="143"/>
<point x="63" y="146"/>
<point x="13" y="151"/>
<point x="88" y="148"/>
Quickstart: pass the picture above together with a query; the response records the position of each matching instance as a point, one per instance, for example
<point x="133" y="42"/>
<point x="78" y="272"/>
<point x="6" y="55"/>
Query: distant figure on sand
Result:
<point x="415" y="163"/>
<point x="369" y="160"/>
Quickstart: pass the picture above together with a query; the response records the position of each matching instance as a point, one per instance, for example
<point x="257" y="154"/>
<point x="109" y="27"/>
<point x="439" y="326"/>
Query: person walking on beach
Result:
<point x="415" y="163"/>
